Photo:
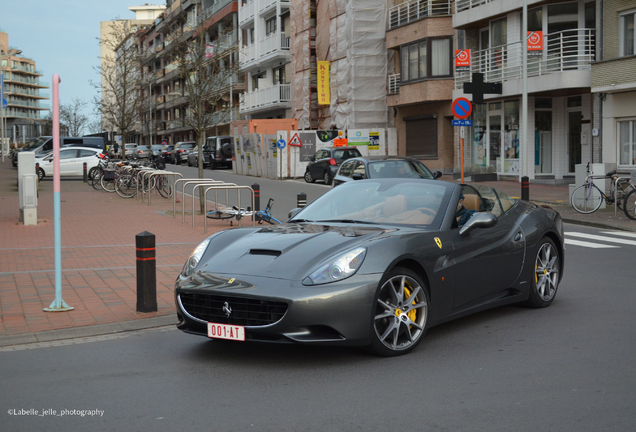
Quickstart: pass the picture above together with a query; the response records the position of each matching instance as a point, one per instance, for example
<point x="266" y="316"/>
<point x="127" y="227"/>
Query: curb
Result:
<point x="87" y="331"/>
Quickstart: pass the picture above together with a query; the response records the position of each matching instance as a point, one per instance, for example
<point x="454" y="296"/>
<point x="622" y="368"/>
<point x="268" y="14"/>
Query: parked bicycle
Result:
<point x="588" y="197"/>
<point x="234" y="212"/>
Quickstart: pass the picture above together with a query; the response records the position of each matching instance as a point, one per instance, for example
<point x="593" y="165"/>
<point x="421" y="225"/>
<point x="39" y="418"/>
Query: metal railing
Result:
<point x="394" y="84"/>
<point x="463" y="5"/>
<point x="266" y="96"/>
<point x="414" y="10"/>
<point x="565" y="50"/>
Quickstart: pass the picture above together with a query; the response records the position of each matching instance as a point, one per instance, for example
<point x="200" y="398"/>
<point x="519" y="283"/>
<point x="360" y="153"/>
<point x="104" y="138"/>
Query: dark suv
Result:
<point x="325" y="163"/>
<point x="218" y="152"/>
<point x="180" y="151"/>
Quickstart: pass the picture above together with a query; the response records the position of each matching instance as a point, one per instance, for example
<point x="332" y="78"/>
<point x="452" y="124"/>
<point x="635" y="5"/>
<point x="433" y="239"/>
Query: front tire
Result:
<point x="327" y="178"/>
<point x="400" y="313"/>
<point x="586" y="199"/>
<point x="629" y="205"/>
<point x="308" y="177"/>
<point x="41" y="174"/>
<point x="546" y="277"/>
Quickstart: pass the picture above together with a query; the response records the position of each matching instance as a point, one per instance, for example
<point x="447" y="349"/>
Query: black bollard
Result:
<point x="525" y="188"/>
<point x="257" y="196"/>
<point x="301" y="200"/>
<point x="146" y="272"/>
<point x="84" y="175"/>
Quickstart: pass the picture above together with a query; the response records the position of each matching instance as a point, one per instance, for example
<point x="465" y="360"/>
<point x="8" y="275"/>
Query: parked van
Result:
<point x="44" y="145"/>
<point x="218" y="152"/>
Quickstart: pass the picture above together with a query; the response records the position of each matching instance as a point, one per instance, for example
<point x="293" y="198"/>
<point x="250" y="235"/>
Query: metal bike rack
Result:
<point x="212" y="183"/>
<point x="616" y="187"/>
<point x="141" y="174"/>
<point x="186" y="182"/>
<point x="162" y="173"/>
<point x="238" y="192"/>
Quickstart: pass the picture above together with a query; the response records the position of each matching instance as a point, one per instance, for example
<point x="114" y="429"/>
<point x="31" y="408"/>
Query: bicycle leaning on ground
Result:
<point x="588" y="197"/>
<point x="234" y="212"/>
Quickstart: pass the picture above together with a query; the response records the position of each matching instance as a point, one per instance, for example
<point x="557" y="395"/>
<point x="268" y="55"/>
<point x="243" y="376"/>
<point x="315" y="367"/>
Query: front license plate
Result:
<point x="224" y="331"/>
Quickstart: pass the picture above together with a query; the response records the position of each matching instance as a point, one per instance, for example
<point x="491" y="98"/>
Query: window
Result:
<point x="270" y="26"/>
<point x="421" y="136"/>
<point x="347" y="168"/>
<point x="417" y="64"/>
<point x="626" y="35"/>
<point x="627" y="142"/>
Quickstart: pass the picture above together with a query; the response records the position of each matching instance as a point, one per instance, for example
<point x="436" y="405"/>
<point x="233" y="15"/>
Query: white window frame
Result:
<point x="632" y="137"/>
<point x="621" y="32"/>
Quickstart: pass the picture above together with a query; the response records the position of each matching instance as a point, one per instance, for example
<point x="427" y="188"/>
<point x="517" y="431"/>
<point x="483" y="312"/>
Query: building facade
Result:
<point x="23" y="93"/>
<point x="614" y="85"/>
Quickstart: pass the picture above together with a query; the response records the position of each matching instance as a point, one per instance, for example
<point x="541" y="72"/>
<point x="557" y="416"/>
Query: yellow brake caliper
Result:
<point x="412" y="314"/>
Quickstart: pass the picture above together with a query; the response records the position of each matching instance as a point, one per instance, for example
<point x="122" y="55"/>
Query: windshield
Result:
<point x="388" y="201"/>
<point x="187" y="145"/>
<point x="35" y="144"/>
<point x="399" y="168"/>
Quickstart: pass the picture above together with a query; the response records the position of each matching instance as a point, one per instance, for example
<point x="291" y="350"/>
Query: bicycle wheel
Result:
<point x="107" y="185"/>
<point x="218" y="214"/>
<point x="586" y="199"/>
<point x="622" y="190"/>
<point x="126" y="186"/>
<point x="97" y="180"/>
<point x="629" y="206"/>
<point x="164" y="187"/>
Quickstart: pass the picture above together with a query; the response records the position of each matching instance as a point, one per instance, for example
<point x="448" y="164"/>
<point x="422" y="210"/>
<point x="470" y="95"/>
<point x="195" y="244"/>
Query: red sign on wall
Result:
<point x="535" y="42"/>
<point x="462" y="60"/>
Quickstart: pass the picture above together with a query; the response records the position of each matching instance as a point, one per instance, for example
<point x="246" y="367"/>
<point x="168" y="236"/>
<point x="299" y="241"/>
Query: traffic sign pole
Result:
<point x="461" y="150"/>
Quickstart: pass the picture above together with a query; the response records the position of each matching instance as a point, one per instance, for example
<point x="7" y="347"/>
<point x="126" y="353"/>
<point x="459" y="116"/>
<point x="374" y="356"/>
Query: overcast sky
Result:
<point x="62" y="37"/>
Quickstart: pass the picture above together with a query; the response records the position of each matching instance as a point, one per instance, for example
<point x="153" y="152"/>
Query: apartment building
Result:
<point x="264" y="58"/>
<point x="420" y="41"/>
<point x="145" y="16"/>
<point x="614" y="85"/>
<point x="23" y="93"/>
<point x="166" y="112"/>
<point x="560" y="105"/>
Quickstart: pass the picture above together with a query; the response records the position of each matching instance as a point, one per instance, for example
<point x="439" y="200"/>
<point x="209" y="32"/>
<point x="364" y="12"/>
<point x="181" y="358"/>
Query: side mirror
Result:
<point x="357" y="176"/>
<point x="312" y="159"/>
<point x="478" y="220"/>
<point x="294" y="212"/>
<point x="437" y="174"/>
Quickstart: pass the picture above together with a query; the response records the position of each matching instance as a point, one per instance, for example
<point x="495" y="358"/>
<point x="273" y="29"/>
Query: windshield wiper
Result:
<point x="355" y="221"/>
<point x="299" y="221"/>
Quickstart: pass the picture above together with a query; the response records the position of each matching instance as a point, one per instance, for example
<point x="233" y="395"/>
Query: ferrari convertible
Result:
<point x="373" y="263"/>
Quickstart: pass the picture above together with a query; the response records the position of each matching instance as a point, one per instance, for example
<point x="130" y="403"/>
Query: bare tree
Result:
<point x="206" y="68"/>
<point x="118" y="100"/>
<point x="73" y="118"/>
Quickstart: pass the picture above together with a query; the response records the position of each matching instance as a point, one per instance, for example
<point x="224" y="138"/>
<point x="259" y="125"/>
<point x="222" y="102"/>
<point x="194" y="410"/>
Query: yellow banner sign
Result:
<point x="324" y="96"/>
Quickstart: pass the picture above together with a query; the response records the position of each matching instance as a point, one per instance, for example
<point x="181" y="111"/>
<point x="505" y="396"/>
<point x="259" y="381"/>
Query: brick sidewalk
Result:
<point x="98" y="232"/>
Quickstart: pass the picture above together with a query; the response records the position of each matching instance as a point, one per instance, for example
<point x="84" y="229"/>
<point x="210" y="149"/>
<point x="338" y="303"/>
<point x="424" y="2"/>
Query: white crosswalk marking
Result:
<point x="588" y="244"/>
<point x="620" y="233"/>
<point x="601" y="238"/>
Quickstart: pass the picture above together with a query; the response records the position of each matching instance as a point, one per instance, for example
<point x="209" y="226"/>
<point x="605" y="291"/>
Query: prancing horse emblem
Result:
<point x="227" y="309"/>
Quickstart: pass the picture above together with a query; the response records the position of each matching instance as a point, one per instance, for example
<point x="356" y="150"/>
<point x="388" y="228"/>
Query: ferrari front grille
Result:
<point x="232" y="310"/>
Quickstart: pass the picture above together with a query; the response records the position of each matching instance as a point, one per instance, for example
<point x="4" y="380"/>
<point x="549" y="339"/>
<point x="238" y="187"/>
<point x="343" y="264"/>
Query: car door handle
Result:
<point x="518" y="236"/>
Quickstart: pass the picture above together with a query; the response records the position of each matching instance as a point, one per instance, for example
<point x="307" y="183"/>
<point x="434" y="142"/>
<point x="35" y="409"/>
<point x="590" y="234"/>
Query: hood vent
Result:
<point x="268" y="252"/>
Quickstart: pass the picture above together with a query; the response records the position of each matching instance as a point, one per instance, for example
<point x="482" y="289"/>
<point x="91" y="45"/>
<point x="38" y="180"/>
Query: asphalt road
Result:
<point x="568" y="367"/>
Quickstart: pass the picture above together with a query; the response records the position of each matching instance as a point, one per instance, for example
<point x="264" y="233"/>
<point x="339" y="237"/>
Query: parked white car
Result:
<point x="71" y="162"/>
<point x="130" y="150"/>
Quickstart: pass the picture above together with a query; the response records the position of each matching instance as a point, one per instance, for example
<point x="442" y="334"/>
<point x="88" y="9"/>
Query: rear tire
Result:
<point x="217" y="214"/>
<point x="41" y="174"/>
<point x="327" y="178"/>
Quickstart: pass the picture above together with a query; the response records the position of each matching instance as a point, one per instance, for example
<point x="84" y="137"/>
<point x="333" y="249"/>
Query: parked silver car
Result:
<point x="130" y="150"/>
<point x="142" y="152"/>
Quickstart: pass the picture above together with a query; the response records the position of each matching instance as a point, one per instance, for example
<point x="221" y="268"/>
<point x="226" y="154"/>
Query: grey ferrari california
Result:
<point x="373" y="263"/>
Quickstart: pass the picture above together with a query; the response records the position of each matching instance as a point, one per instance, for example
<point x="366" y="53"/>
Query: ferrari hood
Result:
<point x="287" y="251"/>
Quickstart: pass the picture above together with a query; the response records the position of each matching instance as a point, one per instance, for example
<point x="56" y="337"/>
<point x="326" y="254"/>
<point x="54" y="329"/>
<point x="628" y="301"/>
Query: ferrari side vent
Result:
<point x="269" y="252"/>
<point x="232" y="310"/>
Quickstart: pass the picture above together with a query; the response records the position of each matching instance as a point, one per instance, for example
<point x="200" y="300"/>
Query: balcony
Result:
<point x="569" y="50"/>
<point x="264" y="6"/>
<point x="415" y="10"/>
<point x="468" y="12"/>
<point x="212" y="10"/>
<point x="276" y="96"/>
<point x="246" y="12"/>
<point x="272" y="47"/>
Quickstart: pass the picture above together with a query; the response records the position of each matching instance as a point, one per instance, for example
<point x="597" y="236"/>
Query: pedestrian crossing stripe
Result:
<point x="588" y="244"/>
<point x="601" y="238"/>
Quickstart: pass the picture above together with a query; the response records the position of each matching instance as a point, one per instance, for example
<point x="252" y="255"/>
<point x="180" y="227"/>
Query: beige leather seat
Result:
<point x="471" y="202"/>
<point x="394" y="205"/>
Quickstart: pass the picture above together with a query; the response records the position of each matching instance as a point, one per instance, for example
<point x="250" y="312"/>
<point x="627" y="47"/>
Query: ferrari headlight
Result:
<point x="195" y="257"/>
<point x="337" y="269"/>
